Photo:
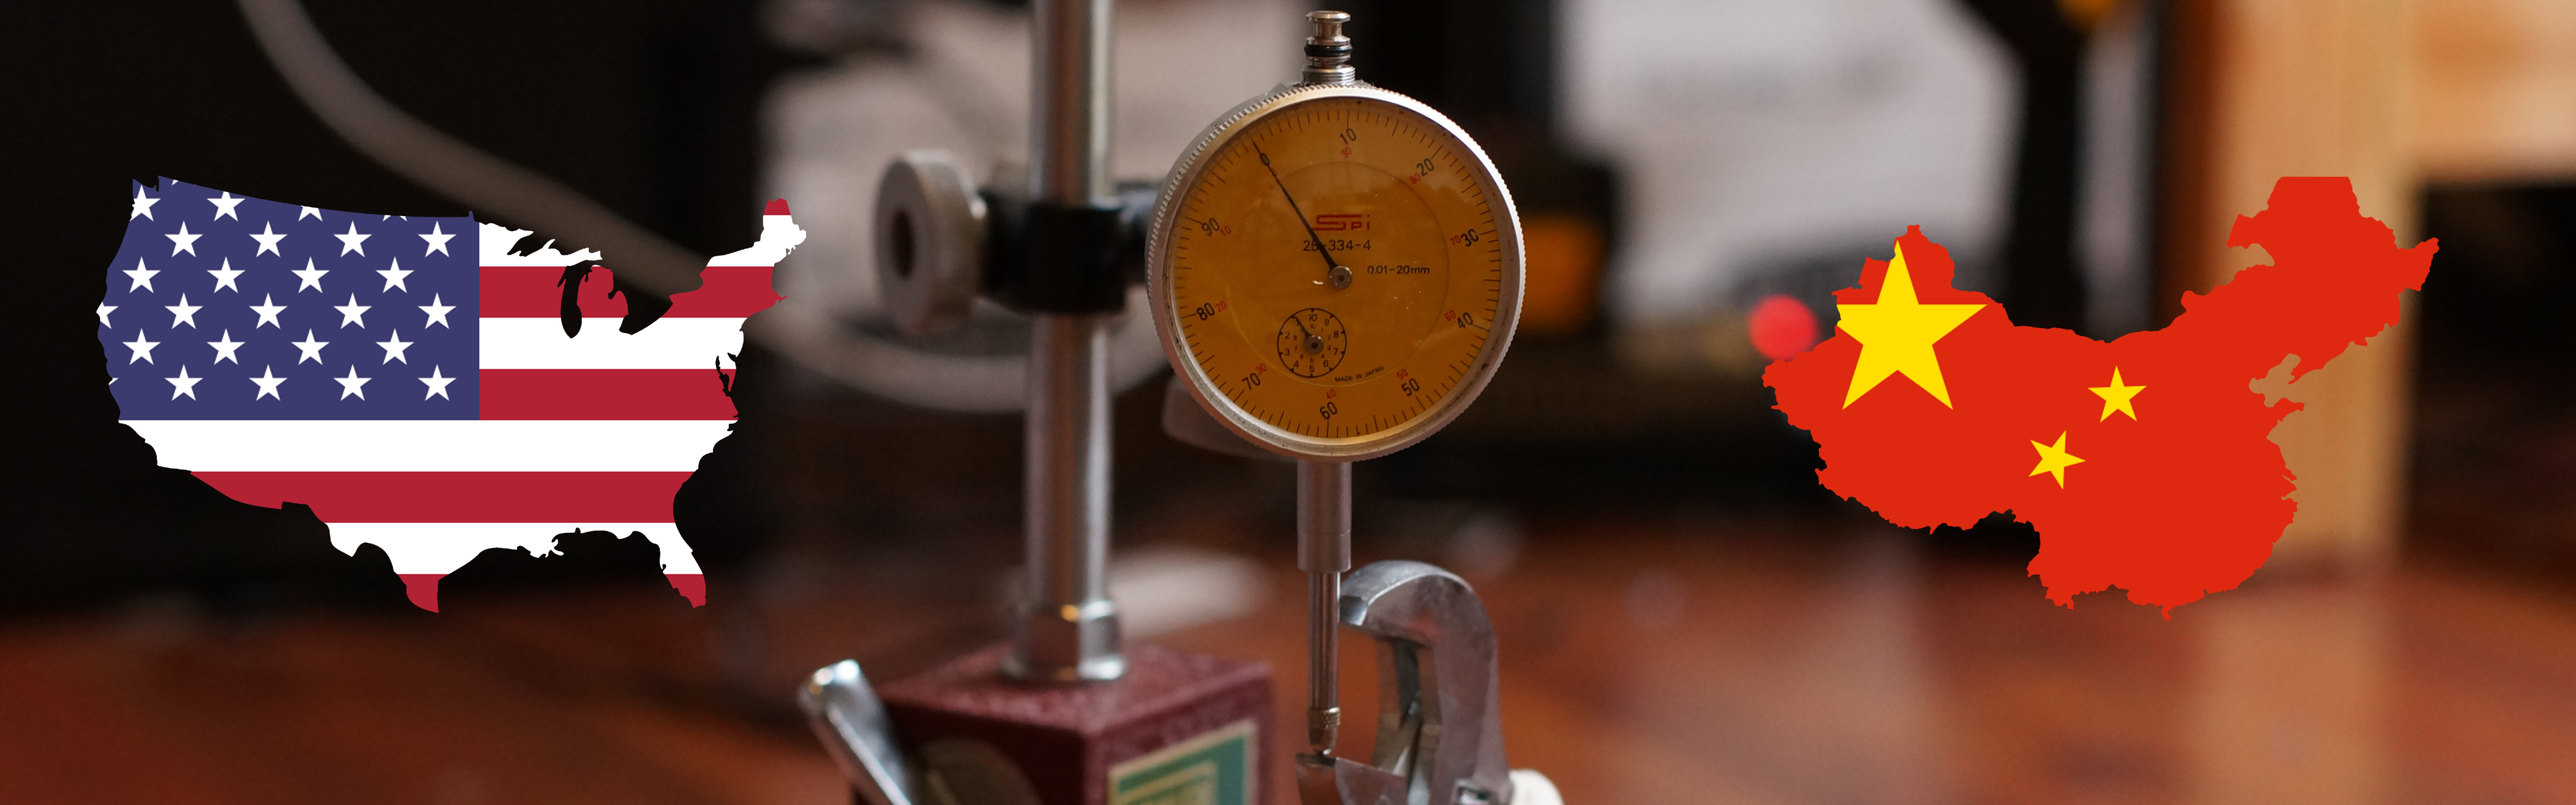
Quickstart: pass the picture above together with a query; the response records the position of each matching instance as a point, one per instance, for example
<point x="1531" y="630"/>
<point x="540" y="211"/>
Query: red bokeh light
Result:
<point x="1782" y="326"/>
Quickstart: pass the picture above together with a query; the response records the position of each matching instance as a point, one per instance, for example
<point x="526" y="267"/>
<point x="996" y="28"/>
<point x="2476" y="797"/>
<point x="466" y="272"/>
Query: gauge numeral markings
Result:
<point x="1414" y="396"/>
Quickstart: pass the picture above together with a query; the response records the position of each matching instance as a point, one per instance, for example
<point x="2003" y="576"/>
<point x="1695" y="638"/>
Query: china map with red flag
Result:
<point x="422" y="383"/>
<point x="2144" y="463"/>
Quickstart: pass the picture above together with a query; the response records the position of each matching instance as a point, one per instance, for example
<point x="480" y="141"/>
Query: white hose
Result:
<point x="447" y="165"/>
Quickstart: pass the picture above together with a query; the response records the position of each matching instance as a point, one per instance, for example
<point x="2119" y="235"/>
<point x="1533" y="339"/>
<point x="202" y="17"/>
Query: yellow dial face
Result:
<point x="1337" y="268"/>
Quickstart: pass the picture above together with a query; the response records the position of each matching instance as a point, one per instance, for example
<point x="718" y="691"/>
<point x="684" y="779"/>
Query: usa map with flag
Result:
<point x="415" y="380"/>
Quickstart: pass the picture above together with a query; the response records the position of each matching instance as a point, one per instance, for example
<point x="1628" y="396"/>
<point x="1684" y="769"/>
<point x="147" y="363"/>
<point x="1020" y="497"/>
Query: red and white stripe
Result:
<point x="591" y="433"/>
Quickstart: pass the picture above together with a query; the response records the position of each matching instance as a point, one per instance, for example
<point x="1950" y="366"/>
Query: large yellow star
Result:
<point x="2115" y="397"/>
<point x="2053" y="459"/>
<point x="1896" y="335"/>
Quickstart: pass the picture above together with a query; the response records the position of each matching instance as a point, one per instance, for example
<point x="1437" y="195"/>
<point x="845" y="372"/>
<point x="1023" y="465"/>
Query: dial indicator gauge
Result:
<point x="1336" y="270"/>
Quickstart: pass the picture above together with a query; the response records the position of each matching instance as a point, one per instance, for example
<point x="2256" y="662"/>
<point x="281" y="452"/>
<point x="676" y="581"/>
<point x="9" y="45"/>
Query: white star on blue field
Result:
<point x="224" y="307"/>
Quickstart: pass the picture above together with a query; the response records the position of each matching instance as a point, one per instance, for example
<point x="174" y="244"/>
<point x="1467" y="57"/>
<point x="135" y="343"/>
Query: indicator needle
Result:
<point x="1334" y="271"/>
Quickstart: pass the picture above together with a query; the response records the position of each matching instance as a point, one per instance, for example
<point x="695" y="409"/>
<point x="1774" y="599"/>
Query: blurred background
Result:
<point x="1685" y="615"/>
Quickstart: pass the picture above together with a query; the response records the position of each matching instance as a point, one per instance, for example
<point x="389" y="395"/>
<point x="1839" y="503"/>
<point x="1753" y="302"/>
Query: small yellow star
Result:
<point x="1897" y="333"/>
<point x="2115" y="397"/>
<point x="2053" y="459"/>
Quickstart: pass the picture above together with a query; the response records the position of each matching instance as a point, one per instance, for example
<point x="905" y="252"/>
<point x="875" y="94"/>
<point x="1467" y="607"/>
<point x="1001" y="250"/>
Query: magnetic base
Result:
<point x="1178" y="729"/>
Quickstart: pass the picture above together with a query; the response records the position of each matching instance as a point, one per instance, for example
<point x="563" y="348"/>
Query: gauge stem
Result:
<point x="1324" y="552"/>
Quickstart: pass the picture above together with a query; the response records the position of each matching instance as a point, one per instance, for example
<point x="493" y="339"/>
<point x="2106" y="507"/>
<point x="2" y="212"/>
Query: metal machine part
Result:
<point x="1439" y="240"/>
<point x="851" y="722"/>
<point x="1328" y="52"/>
<point x="1323" y="551"/>
<point x="1504" y="238"/>
<point x="1065" y="628"/>
<point x="1439" y="724"/>
<point x="1069" y="136"/>
<point x="1488" y="260"/>
<point x="940" y="242"/>
<point x="847" y="716"/>
<point x="930" y="234"/>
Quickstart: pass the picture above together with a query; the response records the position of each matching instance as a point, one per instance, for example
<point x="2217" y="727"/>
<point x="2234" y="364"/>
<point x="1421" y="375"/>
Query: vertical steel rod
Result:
<point x="1069" y="141"/>
<point x="1065" y="628"/>
<point x="1324" y="552"/>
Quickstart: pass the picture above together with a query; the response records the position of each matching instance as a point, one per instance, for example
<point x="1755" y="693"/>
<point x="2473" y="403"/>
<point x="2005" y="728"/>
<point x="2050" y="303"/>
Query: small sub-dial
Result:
<point x="1312" y="342"/>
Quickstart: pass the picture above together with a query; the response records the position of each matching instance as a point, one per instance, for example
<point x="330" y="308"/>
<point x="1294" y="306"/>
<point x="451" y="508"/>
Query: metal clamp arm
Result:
<point x="1440" y="732"/>
<point x="851" y="722"/>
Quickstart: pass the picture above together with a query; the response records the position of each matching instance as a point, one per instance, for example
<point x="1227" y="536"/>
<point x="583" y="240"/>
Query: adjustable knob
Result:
<point x="930" y="240"/>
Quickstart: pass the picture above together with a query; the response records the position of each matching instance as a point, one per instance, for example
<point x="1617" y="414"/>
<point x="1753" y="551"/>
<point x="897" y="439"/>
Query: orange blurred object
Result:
<point x="1562" y="254"/>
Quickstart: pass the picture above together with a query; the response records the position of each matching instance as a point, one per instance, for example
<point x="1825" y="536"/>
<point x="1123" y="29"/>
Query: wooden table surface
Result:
<point x="1708" y="661"/>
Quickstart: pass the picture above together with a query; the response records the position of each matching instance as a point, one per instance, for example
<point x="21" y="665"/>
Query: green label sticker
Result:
<point x="1214" y="768"/>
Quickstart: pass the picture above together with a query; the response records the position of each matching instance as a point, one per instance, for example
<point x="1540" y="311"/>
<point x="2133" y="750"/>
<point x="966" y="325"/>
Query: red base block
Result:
<point x="1179" y="729"/>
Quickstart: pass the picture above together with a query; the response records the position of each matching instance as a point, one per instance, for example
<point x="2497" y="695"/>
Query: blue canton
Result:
<point x="223" y="307"/>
